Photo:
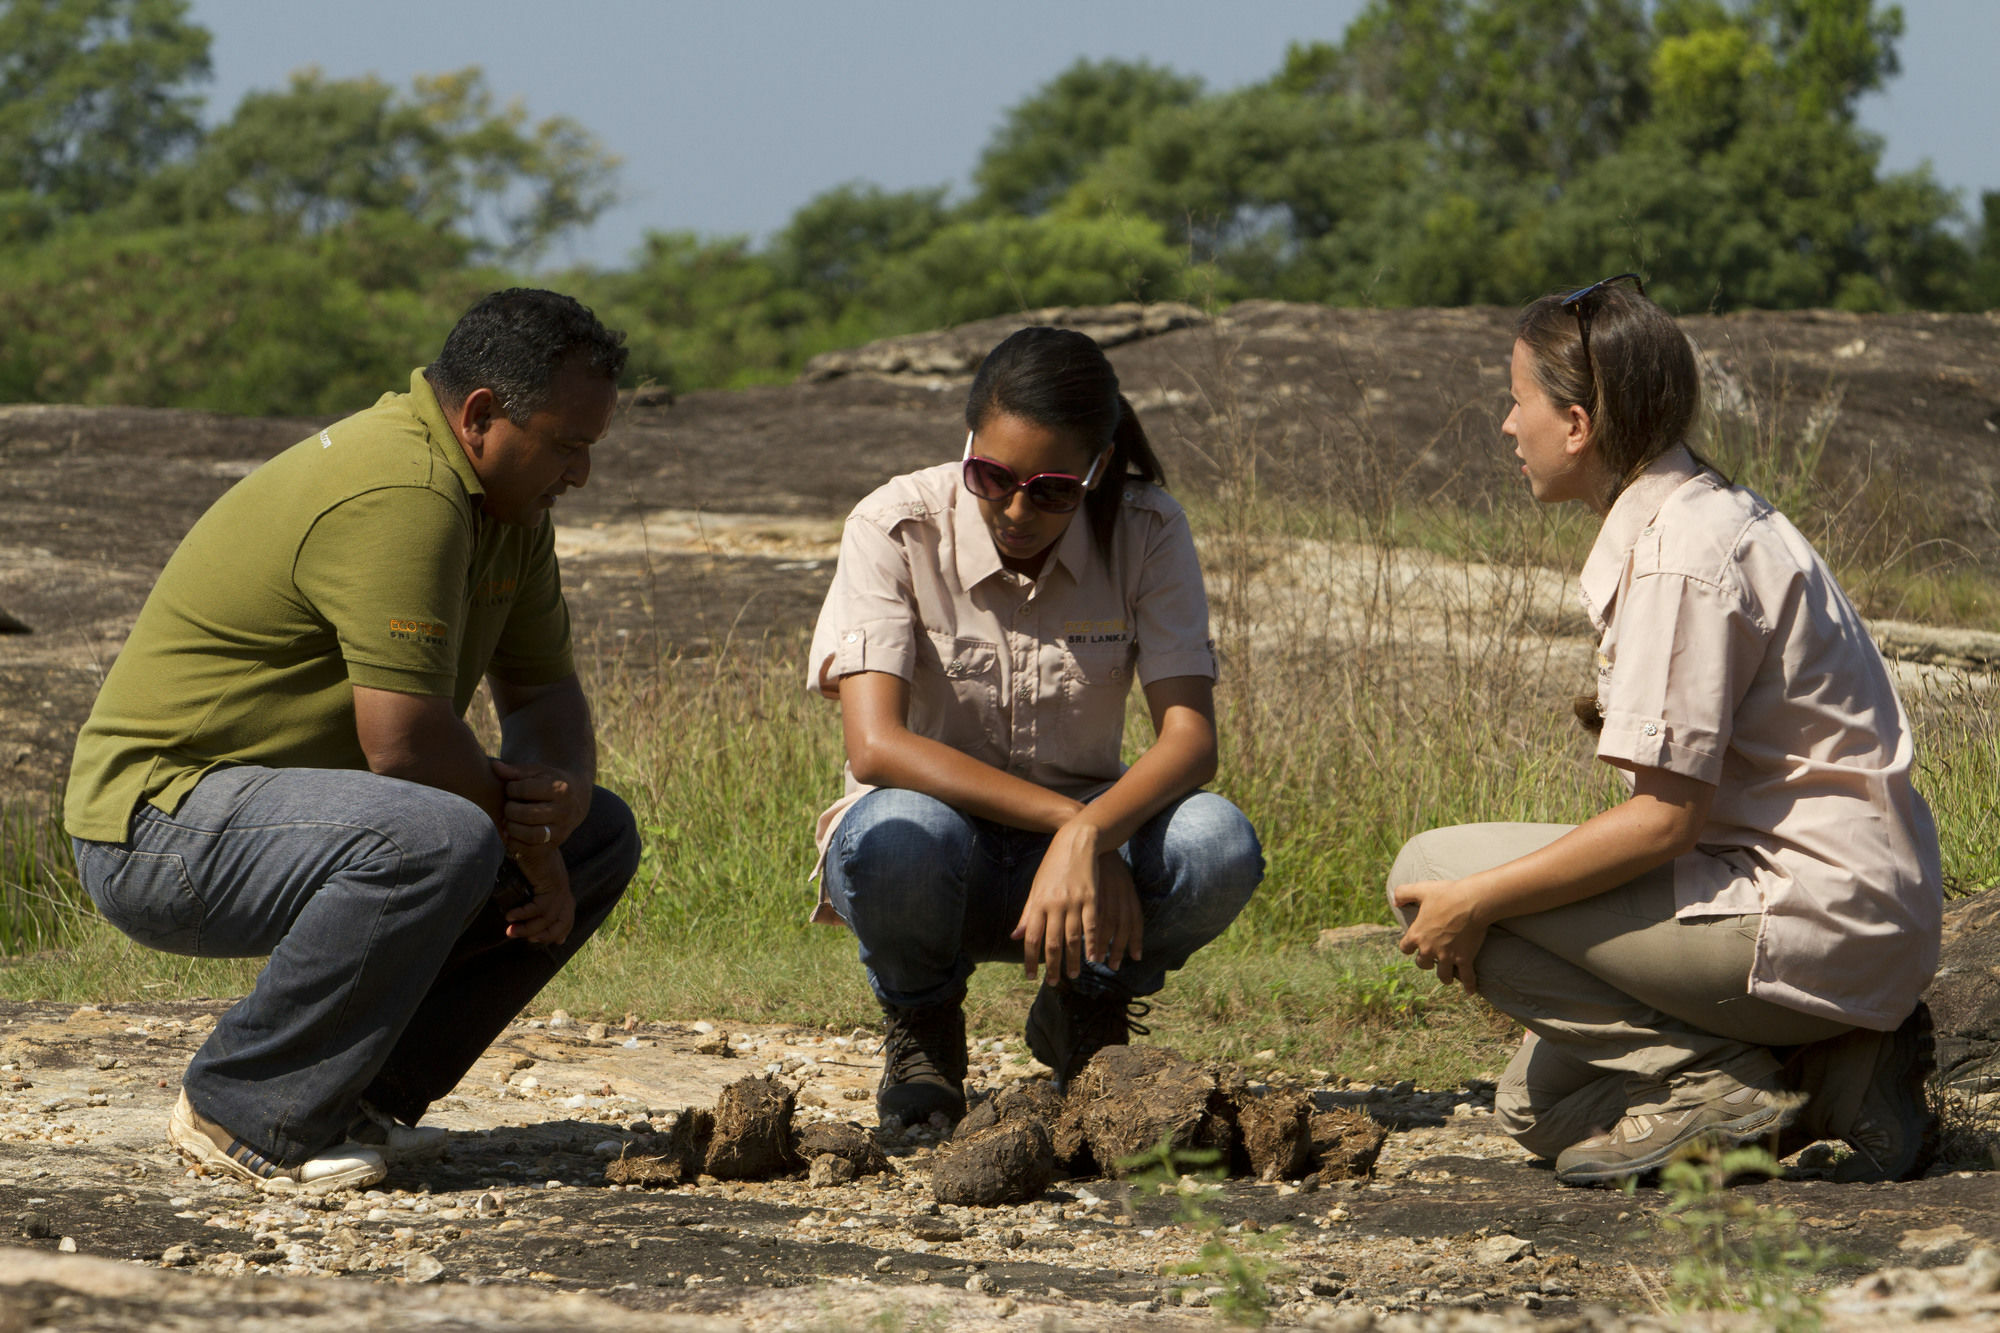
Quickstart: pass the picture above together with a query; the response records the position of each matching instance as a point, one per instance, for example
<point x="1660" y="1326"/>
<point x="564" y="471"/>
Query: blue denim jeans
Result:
<point x="390" y="970"/>
<point x="931" y="892"/>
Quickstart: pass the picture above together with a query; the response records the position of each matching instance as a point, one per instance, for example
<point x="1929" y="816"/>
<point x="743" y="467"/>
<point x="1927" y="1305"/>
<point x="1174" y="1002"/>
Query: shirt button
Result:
<point x="1652" y="728"/>
<point x="853" y="638"/>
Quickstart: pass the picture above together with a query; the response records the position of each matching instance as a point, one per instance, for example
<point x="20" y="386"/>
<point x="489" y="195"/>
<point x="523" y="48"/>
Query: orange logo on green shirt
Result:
<point x="418" y="631"/>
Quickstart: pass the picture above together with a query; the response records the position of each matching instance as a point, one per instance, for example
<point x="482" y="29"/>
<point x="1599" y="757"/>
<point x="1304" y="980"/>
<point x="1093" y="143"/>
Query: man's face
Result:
<point x="525" y="468"/>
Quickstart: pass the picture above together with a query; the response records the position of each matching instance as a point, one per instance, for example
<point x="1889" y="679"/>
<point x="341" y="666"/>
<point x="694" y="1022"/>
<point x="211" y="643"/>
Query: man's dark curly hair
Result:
<point x="513" y="342"/>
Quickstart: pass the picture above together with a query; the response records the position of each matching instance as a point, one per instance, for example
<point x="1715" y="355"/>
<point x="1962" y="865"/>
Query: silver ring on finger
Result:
<point x="548" y="834"/>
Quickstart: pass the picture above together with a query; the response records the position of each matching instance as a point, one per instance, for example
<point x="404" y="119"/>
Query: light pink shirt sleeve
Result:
<point x="867" y="622"/>
<point x="1172" y="607"/>
<point x="1683" y="648"/>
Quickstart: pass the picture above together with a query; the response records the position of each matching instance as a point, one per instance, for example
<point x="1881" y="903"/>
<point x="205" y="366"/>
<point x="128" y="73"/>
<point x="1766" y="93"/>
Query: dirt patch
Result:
<point x="520" y="1207"/>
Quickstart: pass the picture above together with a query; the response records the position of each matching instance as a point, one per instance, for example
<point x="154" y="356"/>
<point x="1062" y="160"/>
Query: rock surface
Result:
<point x="688" y="535"/>
<point x="1965" y="997"/>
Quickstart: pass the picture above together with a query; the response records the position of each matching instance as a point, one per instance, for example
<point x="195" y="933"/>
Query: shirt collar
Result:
<point x="444" y="441"/>
<point x="979" y="558"/>
<point x="1631" y="513"/>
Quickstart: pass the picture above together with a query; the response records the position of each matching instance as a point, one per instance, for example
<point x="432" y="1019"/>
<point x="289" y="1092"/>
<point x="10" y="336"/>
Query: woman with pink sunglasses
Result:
<point x="984" y="627"/>
<point x="1737" y="950"/>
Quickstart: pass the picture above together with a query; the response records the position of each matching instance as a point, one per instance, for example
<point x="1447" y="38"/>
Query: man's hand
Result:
<point x="543" y="806"/>
<point x="548" y="916"/>
<point x="1446" y="933"/>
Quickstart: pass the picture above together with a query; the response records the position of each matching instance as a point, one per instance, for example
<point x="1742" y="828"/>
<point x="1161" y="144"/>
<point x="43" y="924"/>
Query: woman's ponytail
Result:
<point x="1131" y="456"/>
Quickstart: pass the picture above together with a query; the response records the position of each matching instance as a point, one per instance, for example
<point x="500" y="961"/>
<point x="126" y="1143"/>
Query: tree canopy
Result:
<point x="302" y="254"/>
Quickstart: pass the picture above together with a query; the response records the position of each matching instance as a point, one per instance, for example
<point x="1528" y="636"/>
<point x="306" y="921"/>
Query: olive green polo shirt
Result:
<point x="356" y="557"/>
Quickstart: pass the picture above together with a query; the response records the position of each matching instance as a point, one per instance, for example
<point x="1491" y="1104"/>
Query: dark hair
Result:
<point x="514" y="341"/>
<point x="1061" y="380"/>
<point x="1639" y="381"/>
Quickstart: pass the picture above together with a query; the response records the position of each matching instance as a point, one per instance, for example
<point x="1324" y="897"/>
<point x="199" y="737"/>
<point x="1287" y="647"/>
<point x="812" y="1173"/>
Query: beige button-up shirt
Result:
<point x="1028" y="675"/>
<point x="1730" y="655"/>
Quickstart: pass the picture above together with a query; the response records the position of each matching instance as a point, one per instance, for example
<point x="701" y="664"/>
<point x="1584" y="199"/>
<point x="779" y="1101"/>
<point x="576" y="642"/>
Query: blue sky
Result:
<point x="731" y="113"/>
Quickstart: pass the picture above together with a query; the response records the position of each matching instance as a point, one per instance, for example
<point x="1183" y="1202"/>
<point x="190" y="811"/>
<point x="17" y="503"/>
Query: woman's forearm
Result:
<point x="883" y="752"/>
<point x="901" y="758"/>
<point x="1180" y="760"/>
<point x="1658" y="823"/>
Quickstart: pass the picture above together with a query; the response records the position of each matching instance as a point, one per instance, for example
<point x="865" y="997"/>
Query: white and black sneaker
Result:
<point x="212" y="1148"/>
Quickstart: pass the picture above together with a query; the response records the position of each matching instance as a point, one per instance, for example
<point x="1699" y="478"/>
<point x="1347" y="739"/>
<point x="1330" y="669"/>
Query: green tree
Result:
<point x="1049" y="139"/>
<point x="1983" y="283"/>
<point x="991" y="266"/>
<point x="221" y="316"/>
<point x="836" y="245"/>
<point x="1532" y="87"/>
<point x="95" y="95"/>
<point x="324" y="152"/>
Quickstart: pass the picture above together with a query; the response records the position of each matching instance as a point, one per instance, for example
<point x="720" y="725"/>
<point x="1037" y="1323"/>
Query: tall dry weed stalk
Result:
<point x="1372" y="684"/>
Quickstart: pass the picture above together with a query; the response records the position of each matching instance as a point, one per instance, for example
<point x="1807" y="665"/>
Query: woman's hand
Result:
<point x="1082" y="905"/>
<point x="1446" y="933"/>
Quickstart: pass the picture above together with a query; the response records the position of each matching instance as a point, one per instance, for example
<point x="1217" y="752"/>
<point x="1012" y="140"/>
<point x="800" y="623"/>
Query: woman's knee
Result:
<point x="897" y="843"/>
<point x="1211" y="843"/>
<point x="1412" y="864"/>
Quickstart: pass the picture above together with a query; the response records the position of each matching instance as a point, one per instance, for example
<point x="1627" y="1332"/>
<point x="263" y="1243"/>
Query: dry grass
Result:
<point x="1389" y="666"/>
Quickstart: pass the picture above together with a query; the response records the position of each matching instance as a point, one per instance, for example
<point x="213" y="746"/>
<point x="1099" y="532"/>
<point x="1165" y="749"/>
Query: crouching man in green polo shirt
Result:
<point x="278" y="762"/>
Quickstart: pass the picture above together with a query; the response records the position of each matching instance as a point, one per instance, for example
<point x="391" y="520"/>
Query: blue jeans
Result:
<point x="931" y="892"/>
<point x="390" y="970"/>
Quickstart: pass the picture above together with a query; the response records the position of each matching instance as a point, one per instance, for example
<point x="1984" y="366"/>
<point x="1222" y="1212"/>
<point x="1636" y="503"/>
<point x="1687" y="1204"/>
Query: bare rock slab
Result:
<point x="753" y="1131"/>
<point x="1010" y="1162"/>
<point x="1965" y="997"/>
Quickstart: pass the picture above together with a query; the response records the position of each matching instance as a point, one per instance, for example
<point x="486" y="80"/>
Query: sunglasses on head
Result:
<point x="1050" y="492"/>
<point x="1578" y="304"/>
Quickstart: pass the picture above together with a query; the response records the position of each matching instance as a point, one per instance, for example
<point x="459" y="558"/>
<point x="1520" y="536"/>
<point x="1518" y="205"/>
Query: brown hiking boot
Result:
<point x="1895" y="1133"/>
<point x="1646" y="1141"/>
<point x="1065" y="1028"/>
<point x="923" y="1062"/>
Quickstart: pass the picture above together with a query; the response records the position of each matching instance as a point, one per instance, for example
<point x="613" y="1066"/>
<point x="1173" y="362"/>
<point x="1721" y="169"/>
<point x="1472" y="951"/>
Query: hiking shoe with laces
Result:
<point x="213" y="1148"/>
<point x="1895" y="1134"/>
<point x="923" y="1062"/>
<point x="1646" y="1141"/>
<point x="395" y="1142"/>
<point x="1066" y="1028"/>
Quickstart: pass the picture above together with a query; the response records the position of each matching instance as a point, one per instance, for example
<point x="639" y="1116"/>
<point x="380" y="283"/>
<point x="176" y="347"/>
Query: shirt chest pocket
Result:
<point x="955" y="696"/>
<point x="1095" y="680"/>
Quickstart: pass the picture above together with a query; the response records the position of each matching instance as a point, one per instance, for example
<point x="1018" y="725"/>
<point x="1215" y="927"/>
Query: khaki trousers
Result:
<point x="1627" y="1008"/>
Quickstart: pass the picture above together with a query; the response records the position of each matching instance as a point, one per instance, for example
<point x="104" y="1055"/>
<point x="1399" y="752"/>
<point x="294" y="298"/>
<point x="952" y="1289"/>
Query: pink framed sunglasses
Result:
<point x="1050" y="492"/>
